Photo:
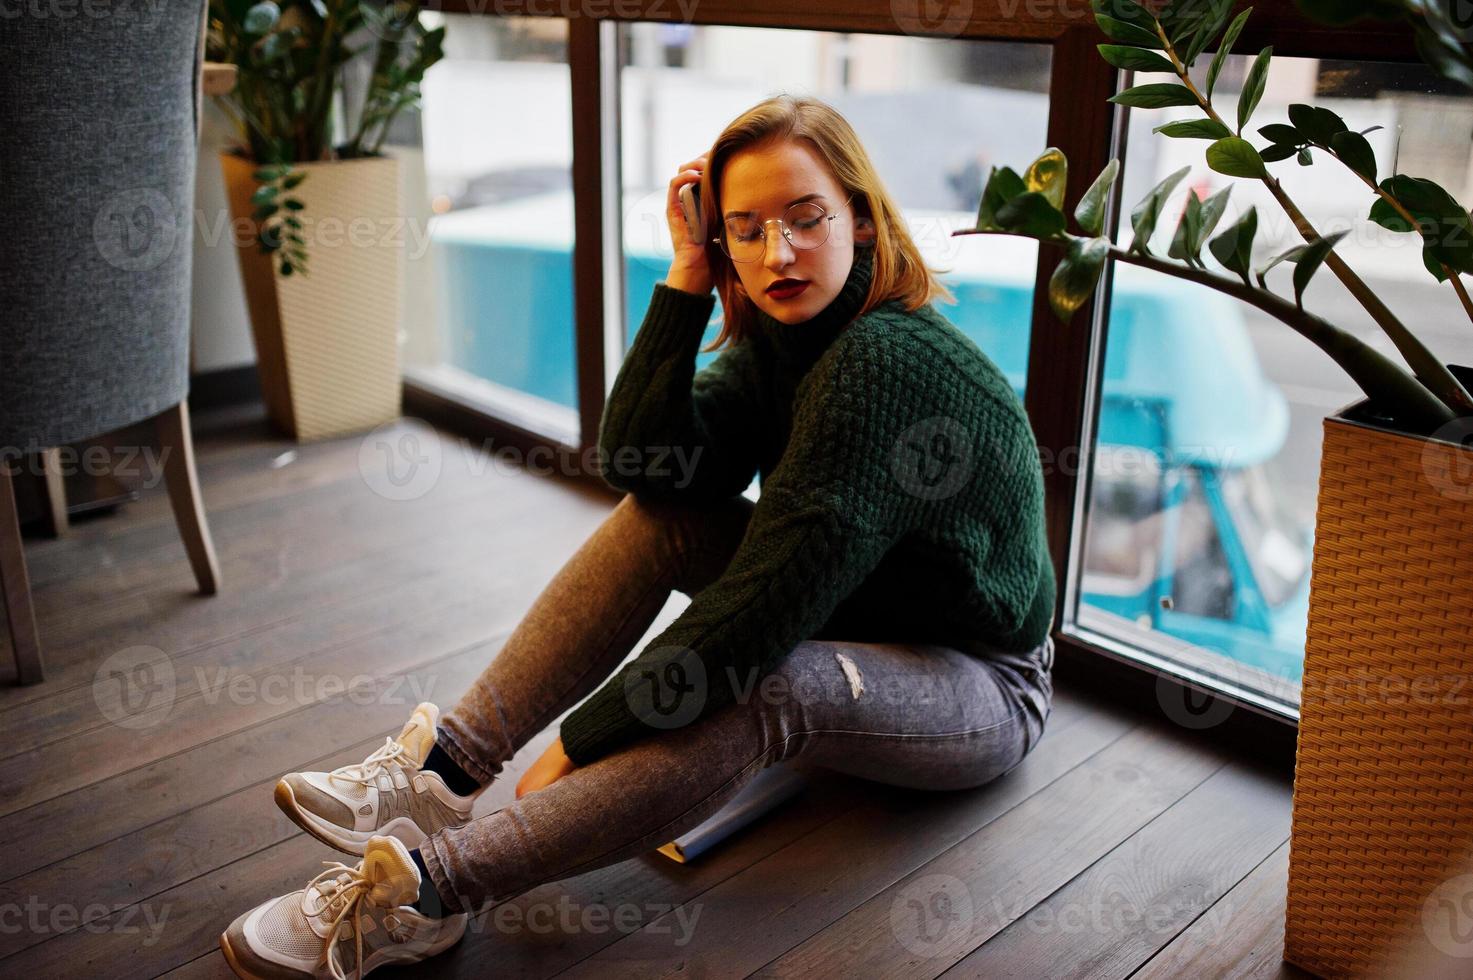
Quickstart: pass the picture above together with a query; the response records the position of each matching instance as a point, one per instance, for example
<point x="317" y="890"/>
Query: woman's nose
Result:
<point x="779" y="252"/>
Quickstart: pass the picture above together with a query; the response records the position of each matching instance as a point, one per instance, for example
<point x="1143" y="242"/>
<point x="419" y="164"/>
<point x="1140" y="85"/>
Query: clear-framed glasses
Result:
<point x="806" y="225"/>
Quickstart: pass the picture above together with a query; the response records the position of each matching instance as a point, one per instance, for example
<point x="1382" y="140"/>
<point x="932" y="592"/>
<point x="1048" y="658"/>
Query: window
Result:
<point x="1231" y="400"/>
<point x="491" y="309"/>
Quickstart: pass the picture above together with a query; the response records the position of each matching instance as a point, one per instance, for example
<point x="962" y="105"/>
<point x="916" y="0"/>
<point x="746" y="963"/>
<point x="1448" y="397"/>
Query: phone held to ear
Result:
<point x="690" y="203"/>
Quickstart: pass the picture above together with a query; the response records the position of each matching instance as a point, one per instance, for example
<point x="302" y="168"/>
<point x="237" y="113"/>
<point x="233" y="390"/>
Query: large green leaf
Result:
<point x="1091" y="210"/>
<point x="1235" y="157"/>
<point x="1077" y="276"/>
<point x="1207" y="19"/>
<point x="1253" y="86"/>
<point x="1212" y="211"/>
<point x="1157" y="95"/>
<point x="1145" y="215"/>
<point x="1388" y="217"/>
<point x="1186" y="230"/>
<point x="1119" y="30"/>
<point x="1318" y="125"/>
<point x="1288" y="256"/>
<point x="1447" y="231"/>
<point x="1049" y="176"/>
<point x="1031" y="214"/>
<point x="1130" y="58"/>
<point x="1277" y="152"/>
<point x="1183" y="20"/>
<point x="1355" y="150"/>
<point x="1224" y="49"/>
<point x="1309" y="261"/>
<point x="1199" y="220"/>
<point x="1196" y="129"/>
<point x="1234" y="247"/>
<point x="1003" y="184"/>
<point x="1282" y="134"/>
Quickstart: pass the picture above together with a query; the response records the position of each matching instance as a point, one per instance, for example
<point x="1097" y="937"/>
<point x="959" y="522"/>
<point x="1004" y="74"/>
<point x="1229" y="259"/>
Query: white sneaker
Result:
<point x="361" y="915"/>
<point x="385" y="794"/>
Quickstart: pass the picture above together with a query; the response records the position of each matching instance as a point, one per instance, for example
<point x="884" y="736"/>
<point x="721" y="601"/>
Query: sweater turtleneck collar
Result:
<point x="802" y="343"/>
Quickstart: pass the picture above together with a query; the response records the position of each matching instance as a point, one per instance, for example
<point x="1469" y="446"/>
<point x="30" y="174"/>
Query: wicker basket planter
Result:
<point x="327" y="344"/>
<point x="1383" y="778"/>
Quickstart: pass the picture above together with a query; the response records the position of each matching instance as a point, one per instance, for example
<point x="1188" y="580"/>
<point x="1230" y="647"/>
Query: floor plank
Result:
<point x="1123" y="908"/>
<point x="934" y="915"/>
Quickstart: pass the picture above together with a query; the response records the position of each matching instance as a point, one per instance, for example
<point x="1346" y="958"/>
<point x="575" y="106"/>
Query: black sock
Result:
<point x="460" y="782"/>
<point x="428" y="902"/>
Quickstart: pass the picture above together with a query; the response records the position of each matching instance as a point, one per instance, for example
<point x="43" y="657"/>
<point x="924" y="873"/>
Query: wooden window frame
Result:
<point x="1064" y="359"/>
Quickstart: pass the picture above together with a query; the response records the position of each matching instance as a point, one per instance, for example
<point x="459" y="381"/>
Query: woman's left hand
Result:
<point x="551" y="766"/>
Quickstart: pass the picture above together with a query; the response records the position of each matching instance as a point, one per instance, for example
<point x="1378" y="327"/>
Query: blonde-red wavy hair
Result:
<point x="899" y="271"/>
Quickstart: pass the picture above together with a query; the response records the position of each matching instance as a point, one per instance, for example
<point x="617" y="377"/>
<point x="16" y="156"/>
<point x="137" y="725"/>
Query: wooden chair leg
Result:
<point x="55" y="491"/>
<point x="176" y="447"/>
<point x="16" y="585"/>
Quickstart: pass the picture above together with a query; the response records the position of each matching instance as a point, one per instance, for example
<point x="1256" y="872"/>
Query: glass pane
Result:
<point x="492" y="314"/>
<point x="1229" y="401"/>
<point x="934" y="116"/>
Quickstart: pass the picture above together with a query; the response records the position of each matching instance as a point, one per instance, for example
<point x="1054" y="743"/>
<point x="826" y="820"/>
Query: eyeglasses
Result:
<point x="806" y="226"/>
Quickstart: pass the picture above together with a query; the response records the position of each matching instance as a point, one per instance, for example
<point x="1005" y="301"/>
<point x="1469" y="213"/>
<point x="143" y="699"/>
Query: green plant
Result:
<point x="276" y="213"/>
<point x="1169" y="42"/>
<point x="290" y="56"/>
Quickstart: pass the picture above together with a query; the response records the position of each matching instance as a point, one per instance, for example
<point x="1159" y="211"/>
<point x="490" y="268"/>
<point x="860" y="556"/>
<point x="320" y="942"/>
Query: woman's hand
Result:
<point x="689" y="270"/>
<point x="551" y="766"/>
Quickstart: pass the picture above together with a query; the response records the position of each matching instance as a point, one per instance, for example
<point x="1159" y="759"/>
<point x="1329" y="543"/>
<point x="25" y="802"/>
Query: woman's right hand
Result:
<point x="689" y="269"/>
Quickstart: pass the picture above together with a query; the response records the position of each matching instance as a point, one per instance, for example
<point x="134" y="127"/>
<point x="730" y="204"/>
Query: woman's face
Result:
<point x="765" y="180"/>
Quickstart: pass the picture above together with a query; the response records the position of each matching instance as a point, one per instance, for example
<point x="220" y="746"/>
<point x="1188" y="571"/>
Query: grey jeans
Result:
<point x="915" y="715"/>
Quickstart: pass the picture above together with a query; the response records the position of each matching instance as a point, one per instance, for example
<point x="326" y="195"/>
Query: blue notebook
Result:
<point x="768" y="790"/>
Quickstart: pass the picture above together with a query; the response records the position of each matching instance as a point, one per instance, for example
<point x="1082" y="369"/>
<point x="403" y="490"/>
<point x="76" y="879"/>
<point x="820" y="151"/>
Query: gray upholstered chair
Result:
<point x="99" y="115"/>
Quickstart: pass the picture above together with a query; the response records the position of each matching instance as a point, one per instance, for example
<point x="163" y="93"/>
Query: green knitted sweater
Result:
<point x="901" y="497"/>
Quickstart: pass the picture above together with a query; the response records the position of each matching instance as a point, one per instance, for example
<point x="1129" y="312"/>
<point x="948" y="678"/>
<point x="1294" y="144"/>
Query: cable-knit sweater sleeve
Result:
<point x="824" y="520"/>
<point x="671" y="431"/>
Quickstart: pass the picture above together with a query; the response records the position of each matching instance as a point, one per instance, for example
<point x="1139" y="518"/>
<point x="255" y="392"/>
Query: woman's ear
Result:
<point x="864" y="230"/>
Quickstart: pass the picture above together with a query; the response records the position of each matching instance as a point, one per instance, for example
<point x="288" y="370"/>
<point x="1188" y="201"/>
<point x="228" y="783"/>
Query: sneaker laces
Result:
<point x="342" y="895"/>
<point x="391" y="752"/>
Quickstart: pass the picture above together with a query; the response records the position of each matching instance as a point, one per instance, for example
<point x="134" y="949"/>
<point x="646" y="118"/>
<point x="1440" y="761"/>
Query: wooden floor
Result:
<point x="134" y="831"/>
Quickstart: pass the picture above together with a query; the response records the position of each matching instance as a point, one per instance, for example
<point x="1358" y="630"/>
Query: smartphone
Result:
<point x="690" y="203"/>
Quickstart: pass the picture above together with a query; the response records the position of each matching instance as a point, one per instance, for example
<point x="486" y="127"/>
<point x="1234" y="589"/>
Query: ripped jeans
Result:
<point x="914" y="715"/>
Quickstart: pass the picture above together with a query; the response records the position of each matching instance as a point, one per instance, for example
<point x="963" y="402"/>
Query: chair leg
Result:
<point x="176" y="446"/>
<point x="55" y="491"/>
<point x="16" y="585"/>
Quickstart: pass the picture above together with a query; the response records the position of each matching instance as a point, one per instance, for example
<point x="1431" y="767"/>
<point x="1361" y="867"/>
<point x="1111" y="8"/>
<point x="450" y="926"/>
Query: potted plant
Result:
<point x="1382" y="807"/>
<point x="321" y="262"/>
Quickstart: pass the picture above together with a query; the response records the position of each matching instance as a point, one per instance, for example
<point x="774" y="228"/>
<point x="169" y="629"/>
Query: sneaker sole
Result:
<point x="349" y="841"/>
<point x="382" y="957"/>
